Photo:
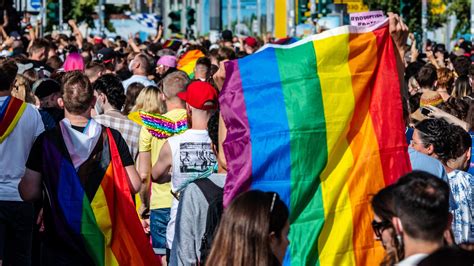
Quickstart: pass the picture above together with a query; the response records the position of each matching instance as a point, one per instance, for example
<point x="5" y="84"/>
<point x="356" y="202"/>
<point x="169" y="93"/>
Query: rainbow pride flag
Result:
<point x="187" y="62"/>
<point x="320" y="122"/>
<point x="10" y="113"/>
<point x="93" y="213"/>
<point x="172" y="44"/>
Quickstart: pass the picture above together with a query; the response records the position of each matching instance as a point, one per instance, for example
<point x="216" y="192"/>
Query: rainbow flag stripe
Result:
<point x="320" y="122"/>
<point x="104" y="230"/>
<point x="187" y="62"/>
<point x="10" y="113"/>
<point x="172" y="44"/>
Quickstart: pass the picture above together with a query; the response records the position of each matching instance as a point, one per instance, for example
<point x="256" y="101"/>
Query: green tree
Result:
<point x="438" y="12"/>
<point x="83" y="11"/>
<point x="461" y="9"/>
<point x="411" y="12"/>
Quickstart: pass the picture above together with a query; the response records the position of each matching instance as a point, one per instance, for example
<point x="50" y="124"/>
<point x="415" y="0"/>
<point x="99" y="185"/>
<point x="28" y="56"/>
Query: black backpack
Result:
<point x="213" y="194"/>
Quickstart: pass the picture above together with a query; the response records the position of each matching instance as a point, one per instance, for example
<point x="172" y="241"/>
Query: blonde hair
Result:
<point x="149" y="101"/>
<point x="22" y="89"/>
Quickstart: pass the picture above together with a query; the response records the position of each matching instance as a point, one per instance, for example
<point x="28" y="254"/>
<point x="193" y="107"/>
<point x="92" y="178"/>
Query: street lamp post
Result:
<point x="259" y="16"/>
<point x="229" y="14"/>
<point x="269" y="16"/>
<point x="472" y="20"/>
<point x="60" y="15"/>
<point x="101" y="16"/>
<point x="424" y="20"/>
<point x="43" y="18"/>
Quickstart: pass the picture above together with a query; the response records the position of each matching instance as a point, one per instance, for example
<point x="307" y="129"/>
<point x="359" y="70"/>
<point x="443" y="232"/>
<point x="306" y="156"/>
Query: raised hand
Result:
<point x="399" y="32"/>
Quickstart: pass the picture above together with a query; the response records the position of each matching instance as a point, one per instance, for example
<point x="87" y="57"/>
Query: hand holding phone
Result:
<point x="425" y="111"/>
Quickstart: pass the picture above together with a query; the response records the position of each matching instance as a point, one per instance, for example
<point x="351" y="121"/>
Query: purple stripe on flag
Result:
<point x="237" y="144"/>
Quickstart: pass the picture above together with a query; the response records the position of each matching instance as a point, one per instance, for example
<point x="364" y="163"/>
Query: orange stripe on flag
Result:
<point x="363" y="181"/>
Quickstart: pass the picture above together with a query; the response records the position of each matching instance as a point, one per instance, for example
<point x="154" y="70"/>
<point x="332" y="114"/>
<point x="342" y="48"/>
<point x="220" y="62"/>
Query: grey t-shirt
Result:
<point x="191" y="223"/>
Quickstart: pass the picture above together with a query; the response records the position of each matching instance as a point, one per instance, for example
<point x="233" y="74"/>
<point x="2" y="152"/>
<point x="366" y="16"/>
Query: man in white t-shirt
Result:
<point x="187" y="155"/>
<point x="140" y="67"/>
<point x="20" y="124"/>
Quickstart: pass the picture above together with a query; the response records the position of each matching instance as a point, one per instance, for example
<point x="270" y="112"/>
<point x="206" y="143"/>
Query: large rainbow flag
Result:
<point x="320" y="122"/>
<point x="93" y="212"/>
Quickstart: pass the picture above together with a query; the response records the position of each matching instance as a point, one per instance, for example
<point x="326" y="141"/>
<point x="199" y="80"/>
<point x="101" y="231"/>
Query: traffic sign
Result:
<point x="35" y="4"/>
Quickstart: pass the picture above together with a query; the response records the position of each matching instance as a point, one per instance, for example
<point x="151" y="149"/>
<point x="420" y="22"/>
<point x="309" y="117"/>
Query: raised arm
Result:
<point x="4" y="34"/>
<point x="132" y="44"/>
<point x="159" y="34"/>
<point x="32" y="34"/>
<point x="76" y="32"/>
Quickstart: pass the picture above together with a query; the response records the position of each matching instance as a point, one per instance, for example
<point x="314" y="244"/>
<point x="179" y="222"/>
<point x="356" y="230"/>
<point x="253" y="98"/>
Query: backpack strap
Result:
<point x="208" y="188"/>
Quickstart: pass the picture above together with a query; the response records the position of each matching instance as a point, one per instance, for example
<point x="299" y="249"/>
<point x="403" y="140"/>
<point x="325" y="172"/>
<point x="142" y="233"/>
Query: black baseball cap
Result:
<point x="45" y="87"/>
<point x="105" y="55"/>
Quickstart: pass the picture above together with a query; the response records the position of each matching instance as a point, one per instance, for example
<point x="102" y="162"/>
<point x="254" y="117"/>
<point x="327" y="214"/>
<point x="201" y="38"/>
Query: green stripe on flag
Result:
<point x="304" y="106"/>
<point x="93" y="237"/>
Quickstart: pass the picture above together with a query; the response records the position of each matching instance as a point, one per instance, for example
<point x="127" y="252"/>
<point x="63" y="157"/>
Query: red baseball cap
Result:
<point x="200" y="95"/>
<point x="250" y="41"/>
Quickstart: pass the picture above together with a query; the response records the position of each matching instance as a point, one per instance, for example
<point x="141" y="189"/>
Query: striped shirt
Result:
<point x="130" y="130"/>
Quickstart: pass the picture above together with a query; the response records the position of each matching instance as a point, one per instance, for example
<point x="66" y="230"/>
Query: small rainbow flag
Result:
<point x="187" y="62"/>
<point x="320" y="122"/>
<point x="93" y="213"/>
<point x="10" y="113"/>
<point x="172" y="44"/>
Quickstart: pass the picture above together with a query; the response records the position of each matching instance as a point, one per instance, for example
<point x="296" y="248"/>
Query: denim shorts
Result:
<point x="159" y="219"/>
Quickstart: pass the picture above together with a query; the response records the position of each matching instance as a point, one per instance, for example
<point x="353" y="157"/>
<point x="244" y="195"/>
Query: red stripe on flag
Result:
<point x="129" y="242"/>
<point x="386" y="107"/>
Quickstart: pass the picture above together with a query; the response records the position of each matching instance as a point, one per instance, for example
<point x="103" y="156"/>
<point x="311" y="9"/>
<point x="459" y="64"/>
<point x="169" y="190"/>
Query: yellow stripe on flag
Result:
<point x="101" y="212"/>
<point x="336" y="86"/>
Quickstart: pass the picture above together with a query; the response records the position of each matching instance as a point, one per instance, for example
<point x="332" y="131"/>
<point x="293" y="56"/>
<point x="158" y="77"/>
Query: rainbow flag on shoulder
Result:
<point x="320" y="122"/>
<point x="92" y="212"/>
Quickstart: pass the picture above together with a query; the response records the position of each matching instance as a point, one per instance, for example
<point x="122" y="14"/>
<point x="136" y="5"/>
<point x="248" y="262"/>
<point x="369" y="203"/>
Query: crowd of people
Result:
<point x="61" y="96"/>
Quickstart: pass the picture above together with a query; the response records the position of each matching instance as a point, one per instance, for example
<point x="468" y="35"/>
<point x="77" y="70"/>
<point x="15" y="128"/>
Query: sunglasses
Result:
<point x="379" y="227"/>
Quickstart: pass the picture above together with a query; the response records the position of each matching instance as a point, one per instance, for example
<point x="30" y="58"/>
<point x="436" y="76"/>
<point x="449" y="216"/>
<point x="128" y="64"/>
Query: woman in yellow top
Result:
<point x="155" y="130"/>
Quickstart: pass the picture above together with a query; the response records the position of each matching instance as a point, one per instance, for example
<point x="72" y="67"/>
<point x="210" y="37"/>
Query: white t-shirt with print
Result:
<point x="14" y="151"/>
<point x="192" y="154"/>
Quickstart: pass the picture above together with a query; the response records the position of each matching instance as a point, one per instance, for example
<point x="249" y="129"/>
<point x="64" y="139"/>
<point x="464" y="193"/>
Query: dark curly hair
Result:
<point x="112" y="87"/>
<point x="445" y="138"/>
<point x="456" y="107"/>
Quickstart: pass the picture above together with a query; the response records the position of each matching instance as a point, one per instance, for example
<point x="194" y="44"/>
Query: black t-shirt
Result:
<point x="35" y="158"/>
<point x="65" y="249"/>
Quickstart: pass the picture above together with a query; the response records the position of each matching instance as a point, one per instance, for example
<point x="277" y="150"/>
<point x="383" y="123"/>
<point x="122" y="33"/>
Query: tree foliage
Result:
<point x="438" y="12"/>
<point x="461" y="9"/>
<point x="84" y="11"/>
